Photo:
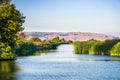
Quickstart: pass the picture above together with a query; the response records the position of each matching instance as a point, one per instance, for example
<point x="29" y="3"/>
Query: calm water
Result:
<point x="61" y="64"/>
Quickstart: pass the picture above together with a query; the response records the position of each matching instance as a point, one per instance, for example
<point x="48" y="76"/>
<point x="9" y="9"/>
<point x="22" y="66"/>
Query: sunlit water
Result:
<point x="61" y="64"/>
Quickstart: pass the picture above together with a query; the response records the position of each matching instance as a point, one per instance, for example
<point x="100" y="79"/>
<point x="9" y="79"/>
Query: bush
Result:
<point x="83" y="47"/>
<point x="97" y="47"/>
<point x="6" y="52"/>
<point x="26" y="49"/>
<point x="8" y="56"/>
<point x="115" y="51"/>
<point x="107" y="46"/>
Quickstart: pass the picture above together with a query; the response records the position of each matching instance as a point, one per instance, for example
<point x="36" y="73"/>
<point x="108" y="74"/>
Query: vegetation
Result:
<point x="83" y="47"/>
<point x="13" y="42"/>
<point x="21" y="36"/>
<point x="107" y="47"/>
<point x="96" y="48"/>
<point x="29" y="47"/>
<point x="34" y="39"/>
<point x="11" y="21"/>
<point x="26" y="49"/>
<point x="56" y="40"/>
<point x="6" y="52"/>
<point x="115" y="51"/>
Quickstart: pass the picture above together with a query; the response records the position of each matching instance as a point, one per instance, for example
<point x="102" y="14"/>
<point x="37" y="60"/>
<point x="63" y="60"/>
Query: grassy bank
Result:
<point x="94" y="47"/>
<point x="27" y="48"/>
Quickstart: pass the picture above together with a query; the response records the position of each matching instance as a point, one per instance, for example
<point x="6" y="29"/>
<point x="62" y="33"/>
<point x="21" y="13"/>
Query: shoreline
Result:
<point x="7" y="59"/>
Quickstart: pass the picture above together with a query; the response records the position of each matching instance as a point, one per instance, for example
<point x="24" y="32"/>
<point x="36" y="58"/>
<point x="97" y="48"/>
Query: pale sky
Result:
<point x="99" y="16"/>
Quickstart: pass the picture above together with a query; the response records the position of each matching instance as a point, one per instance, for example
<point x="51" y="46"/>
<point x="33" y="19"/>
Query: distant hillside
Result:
<point x="114" y="34"/>
<point x="74" y="36"/>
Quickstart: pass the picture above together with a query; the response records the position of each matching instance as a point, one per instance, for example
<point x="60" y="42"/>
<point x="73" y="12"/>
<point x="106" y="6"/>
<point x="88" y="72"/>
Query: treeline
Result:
<point x="95" y="47"/>
<point x="33" y="44"/>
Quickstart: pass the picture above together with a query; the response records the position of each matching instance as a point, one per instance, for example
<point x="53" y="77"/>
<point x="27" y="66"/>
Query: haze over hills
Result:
<point x="74" y="36"/>
<point x="115" y="34"/>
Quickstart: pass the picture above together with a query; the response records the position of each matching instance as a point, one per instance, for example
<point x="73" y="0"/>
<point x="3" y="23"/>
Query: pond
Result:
<point x="61" y="64"/>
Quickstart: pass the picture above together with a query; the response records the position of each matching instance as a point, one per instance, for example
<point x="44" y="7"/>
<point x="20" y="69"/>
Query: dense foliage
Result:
<point x="34" y="39"/>
<point x="30" y="46"/>
<point x="26" y="48"/>
<point x="55" y="40"/>
<point x="115" y="51"/>
<point x="83" y="47"/>
<point x="11" y="21"/>
<point x="6" y="52"/>
<point x="21" y="36"/>
<point x="107" y="47"/>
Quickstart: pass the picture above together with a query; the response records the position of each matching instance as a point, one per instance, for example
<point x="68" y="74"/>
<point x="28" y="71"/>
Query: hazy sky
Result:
<point x="70" y="15"/>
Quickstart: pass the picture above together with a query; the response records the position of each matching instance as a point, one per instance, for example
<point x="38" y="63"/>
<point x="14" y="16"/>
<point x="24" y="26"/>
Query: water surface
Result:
<point x="61" y="64"/>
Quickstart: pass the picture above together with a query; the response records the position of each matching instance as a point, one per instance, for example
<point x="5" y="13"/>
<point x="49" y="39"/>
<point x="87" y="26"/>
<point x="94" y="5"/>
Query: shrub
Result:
<point x="6" y="52"/>
<point x="26" y="48"/>
<point x="115" y="51"/>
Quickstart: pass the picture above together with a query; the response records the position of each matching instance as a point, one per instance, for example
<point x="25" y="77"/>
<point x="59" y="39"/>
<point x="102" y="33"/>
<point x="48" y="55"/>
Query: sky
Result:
<point x="99" y="16"/>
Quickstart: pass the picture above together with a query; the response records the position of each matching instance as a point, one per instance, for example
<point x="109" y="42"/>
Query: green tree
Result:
<point x="115" y="51"/>
<point x="84" y="47"/>
<point x="11" y="21"/>
<point x="46" y="42"/>
<point x="56" y="40"/>
<point x="62" y="40"/>
<point x="6" y="52"/>
<point x="96" y="48"/>
<point x="26" y="49"/>
<point x="35" y="39"/>
<point x="107" y="46"/>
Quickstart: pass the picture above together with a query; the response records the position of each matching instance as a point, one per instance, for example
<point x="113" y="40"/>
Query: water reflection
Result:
<point x="38" y="53"/>
<point x="66" y="53"/>
<point x="6" y="70"/>
<point x="61" y="64"/>
<point x="97" y="58"/>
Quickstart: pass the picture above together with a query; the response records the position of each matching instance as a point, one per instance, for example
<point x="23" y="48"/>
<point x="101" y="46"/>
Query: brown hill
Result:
<point x="74" y="36"/>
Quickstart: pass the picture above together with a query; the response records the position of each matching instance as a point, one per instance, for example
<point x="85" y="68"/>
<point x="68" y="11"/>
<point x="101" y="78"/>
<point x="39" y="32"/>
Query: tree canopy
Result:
<point x="107" y="47"/>
<point x="56" y="40"/>
<point x="115" y="51"/>
<point x="35" y="39"/>
<point x="21" y="36"/>
<point x="11" y="21"/>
